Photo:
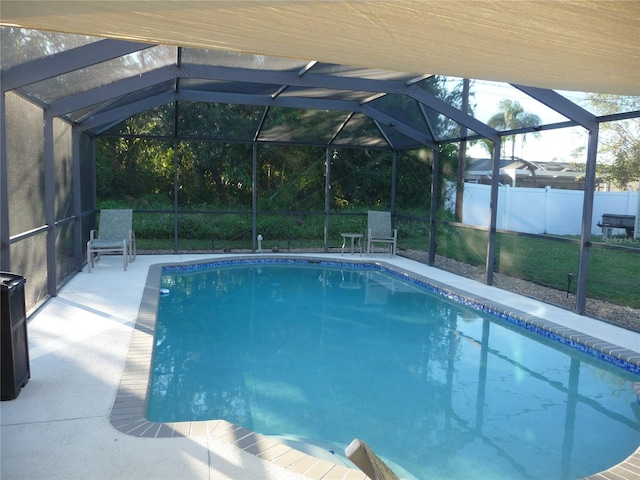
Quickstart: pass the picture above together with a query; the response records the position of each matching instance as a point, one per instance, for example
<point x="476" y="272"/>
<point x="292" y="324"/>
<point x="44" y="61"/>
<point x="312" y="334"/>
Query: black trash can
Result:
<point x="15" y="348"/>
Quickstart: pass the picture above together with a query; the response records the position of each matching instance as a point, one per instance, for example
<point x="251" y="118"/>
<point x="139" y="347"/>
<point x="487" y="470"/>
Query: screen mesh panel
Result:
<point x="29" y="259"/>
<point x="63" y="170"/>
<point x="25" y="146"/>
<point x="65" y="252"/>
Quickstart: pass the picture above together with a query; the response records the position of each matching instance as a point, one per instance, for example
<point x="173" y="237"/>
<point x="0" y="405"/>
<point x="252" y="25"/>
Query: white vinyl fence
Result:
<point x="541" y="210"/>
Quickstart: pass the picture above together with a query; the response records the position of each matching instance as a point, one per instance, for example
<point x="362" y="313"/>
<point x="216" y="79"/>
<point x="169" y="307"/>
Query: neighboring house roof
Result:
<point x="518" y="172"/>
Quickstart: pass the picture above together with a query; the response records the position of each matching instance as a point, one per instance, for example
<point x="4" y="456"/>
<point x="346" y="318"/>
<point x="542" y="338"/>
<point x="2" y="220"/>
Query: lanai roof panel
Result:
<point x="310" y="126"/>
<point x="223" y="58"/>
<point x="326" y="93"/>
<point x="20" y="45"/>
<point x="205" y="85"/>
<point x="103" y="73"/>
<point x="360" y="131"/>
<point x="358" y="72"/>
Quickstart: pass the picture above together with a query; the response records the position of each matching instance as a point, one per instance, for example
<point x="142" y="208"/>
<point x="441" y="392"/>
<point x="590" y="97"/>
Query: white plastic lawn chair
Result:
<point x="114" y="235"/>
<point x="379" y="231"/>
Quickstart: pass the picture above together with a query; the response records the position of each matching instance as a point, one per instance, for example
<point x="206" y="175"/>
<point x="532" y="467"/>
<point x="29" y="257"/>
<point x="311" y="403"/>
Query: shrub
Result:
<point x="279" y="227"/>
<point x="153" y="225"/>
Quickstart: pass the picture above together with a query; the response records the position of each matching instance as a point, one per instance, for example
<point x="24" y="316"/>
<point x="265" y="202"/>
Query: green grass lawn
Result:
<point x="614" y="275"/>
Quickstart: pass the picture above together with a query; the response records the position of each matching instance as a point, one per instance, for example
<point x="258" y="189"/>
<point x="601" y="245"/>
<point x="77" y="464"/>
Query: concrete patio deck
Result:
<point x="59" y="425"/>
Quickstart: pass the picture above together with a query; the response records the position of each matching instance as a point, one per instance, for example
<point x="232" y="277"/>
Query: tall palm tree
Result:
<point x="511" y="116"/>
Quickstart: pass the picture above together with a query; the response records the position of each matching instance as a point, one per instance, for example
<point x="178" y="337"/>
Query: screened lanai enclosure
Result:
<point x="212" y="148"/>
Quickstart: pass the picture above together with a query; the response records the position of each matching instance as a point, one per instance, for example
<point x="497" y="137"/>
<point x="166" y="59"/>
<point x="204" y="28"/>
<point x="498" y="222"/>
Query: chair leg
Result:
<point x="132" y="249"/>
<point x="89" y="259"/>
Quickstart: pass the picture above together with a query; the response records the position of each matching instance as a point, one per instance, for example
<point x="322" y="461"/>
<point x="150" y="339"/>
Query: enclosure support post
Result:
<point x="175" y="194"/>
<point x="76" y="185"/>
<point x="49" y="205"/>
<point x="462" y="155"/>
<point x="433" y="226"/>
<point x="175" y="169"/>
<point x="5" y="247"/>
<point x="93" y="186"/>
<point x="254" y="197"/>
<point x="394" y="170"/>
<point x="493" y="208"/>
<point x="587" y="213"/>
<point x="327" y="193"/>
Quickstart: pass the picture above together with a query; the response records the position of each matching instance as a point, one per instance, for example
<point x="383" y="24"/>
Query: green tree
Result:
<point x="213" y="168"/>
<point x="361" y="178"/>
<point x="512" y="116"/>
<point x="130" y="166"/>
<point x="619" y="148"/>
<point x="290" y="178"/>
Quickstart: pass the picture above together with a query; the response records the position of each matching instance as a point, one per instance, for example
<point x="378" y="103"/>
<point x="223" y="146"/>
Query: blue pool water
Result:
<point x="326" y="354"/>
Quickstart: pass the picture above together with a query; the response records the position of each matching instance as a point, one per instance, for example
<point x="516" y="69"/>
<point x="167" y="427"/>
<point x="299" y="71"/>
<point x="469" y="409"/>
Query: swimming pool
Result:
<point x="464" y="366"/>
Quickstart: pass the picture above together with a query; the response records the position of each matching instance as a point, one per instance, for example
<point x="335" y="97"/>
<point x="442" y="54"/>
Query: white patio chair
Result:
<point x="379" y="231"/>
<point x="115" y="235"/>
